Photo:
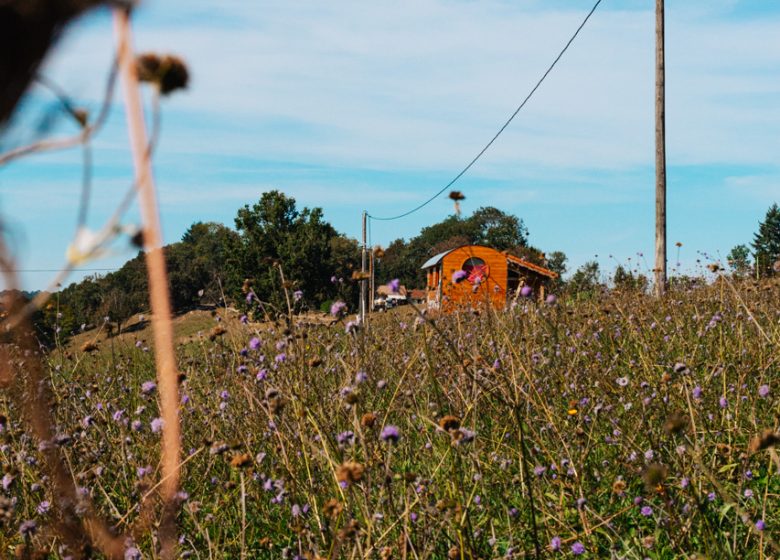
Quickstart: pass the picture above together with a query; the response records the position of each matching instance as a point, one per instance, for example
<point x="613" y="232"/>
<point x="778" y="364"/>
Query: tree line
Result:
<point x="280" y="257"/>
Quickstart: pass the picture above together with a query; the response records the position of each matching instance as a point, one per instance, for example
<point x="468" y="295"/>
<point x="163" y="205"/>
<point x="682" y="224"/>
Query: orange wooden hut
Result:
<point x="472" y="275"/>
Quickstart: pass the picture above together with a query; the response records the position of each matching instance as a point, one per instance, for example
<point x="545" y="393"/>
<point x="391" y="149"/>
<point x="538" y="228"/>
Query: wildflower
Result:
<point x="622" y="381"/>
<point x="156" y="425"/>
<point x="577" y="548"/>
<point x="351" y="327"/>
<point x="555" y="543"/>
<point x="760" y="525"/>
<point x="390" y="433"/>
<point x="551" y="299"/>
<point x="43" y="507"/>
<point x="696" y="392"/>
<point x="459" y="276"/>
<point x="297" y="295"/>
<point x="527" y="291"/>
<point x="28" y="528"/>
<point x="132" y="553"/>
<point x="647" y="511"/>
<point x="748" y="493"/>
<point x="338" y="308"/>
<point x="723" y="402"/>
<point x="345" y="438"/>
<point x="649" y="454"/>
<point x="148" y="387"/>
<point x="763" y="391"/>
<point x="539" y="470"/>
<point x="394" y="285"/>
<point x="254" y="343"/>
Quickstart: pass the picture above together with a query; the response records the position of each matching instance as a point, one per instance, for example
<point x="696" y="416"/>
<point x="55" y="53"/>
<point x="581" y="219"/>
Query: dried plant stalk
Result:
<point x="158" y="286"/>
<point x="77" y="524"/>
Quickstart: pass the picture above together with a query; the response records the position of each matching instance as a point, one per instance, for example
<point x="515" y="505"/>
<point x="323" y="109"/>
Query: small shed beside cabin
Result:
<point x="472" y="275"/>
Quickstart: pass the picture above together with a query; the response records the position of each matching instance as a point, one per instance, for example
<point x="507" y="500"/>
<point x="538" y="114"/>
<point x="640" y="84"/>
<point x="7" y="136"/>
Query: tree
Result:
<point x="275" y="234"/>
<point x="586" y="280"/>
<point x="766" y="242"/>
<point x="625" y="280"/>
<point x="556" y="261"/>
<point x="739" y="260"/>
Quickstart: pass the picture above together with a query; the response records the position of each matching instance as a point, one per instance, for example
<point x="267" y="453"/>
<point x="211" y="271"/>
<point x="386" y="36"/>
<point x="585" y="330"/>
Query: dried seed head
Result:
<point x="332" y="508"/>
<point x="456" y="196"/>
<point x="350" y="472"/>
<point x="241" y="461"/>
<point x="216" y="332"/>
<point x="619" y="486"/>
<point x="765" y="440"/>
<point x="167" y="72"/>
<point x="655" y="475"/>
<point x="676" y="423"/>
<point x="449" y="422"/>
<point x="89" y="347"/>
<point x="368" y="420"/>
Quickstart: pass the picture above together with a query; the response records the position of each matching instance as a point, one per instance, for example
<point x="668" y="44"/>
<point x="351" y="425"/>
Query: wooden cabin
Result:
<point x="473" y="275"/>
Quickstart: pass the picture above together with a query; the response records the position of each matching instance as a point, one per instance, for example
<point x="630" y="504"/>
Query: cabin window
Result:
<point x="472" y="263"/>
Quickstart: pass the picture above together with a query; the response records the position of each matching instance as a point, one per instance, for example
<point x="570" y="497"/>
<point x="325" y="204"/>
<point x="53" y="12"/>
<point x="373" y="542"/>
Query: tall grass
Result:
<point x="617" y="426"/>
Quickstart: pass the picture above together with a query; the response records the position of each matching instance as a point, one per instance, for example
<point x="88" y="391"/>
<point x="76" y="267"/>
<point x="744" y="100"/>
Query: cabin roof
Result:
<point x="436" y="259"/>
<point x="531" y="266"/>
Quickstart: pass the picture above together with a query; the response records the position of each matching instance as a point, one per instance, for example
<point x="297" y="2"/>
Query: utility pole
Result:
<point x="363" y="275"/>
<point x="660" y="153"/>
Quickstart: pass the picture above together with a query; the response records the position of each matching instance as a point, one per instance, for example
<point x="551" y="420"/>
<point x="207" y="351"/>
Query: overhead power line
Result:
<point x="500" y="130"/>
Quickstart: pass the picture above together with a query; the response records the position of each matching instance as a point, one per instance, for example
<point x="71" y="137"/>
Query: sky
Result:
<point x="375" y="106"/>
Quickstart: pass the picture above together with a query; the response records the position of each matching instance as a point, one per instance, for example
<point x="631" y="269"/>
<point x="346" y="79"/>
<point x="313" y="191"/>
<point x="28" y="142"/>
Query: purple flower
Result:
<point x="577" y="548"/>
<point x="262" y="374"/>
<point x="551" y="299"/>
<point x="647" y="511"/>
<point x="459" y="276"/>
<point x="760" y="525"/>
<point x="148" y="387"/>
<point x="297" y="295"/>
<point x="539" y="470"/>
<point x="43" y="507"/>
<point x="723" y="402"/>
<point x="390" y="433"/>
<point x="748" y="493"/>
<point x="338" y="308"/>
<point x="132" y="553"/>
<point x="622" y="381"/>
<point x="526" y="291"/>
<point x="394" y="285"/>
<point x="156" y="425"/>
<point x="345" y="438"/>
<point x="763" y="391"/>
<point x="27" y="528"/>
<point x="696" y="392"/>
<point x="254" y="344"/>
<point x="555" y="543"/>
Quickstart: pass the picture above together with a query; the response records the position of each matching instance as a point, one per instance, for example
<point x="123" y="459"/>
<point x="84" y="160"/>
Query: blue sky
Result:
<point x="365" y="105"/>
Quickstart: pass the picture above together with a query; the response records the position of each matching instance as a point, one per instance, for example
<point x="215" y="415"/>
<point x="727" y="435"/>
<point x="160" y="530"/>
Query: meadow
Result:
<point x="614" y="426"/>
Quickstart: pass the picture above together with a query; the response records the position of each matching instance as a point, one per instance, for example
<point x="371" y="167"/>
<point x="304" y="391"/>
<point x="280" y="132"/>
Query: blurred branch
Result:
<point x="87" y="131"/>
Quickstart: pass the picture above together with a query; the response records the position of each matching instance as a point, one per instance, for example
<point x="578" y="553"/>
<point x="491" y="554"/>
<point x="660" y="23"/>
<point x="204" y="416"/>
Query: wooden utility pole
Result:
<point x="660" y="153"/>
<point x="363" y="282"/>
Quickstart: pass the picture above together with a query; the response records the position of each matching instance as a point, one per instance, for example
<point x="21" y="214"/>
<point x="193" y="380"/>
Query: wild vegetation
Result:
<point x="615" y="425"/>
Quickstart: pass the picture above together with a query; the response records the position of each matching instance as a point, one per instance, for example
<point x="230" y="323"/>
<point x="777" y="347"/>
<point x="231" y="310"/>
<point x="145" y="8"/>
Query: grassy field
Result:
<point x="621" y="426"/>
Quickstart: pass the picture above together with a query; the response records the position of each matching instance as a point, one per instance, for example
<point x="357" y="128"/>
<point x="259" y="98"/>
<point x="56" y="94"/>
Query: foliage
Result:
<point x="739" y="260"/>
<point x="766" y="242"/>
<point x="629" y="281"/>
<point x="586" y="281"/>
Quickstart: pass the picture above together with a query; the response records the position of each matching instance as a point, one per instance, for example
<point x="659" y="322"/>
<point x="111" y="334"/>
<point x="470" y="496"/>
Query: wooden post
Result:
<point x="660" y="153"/>
<point x="363" y="279"/>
